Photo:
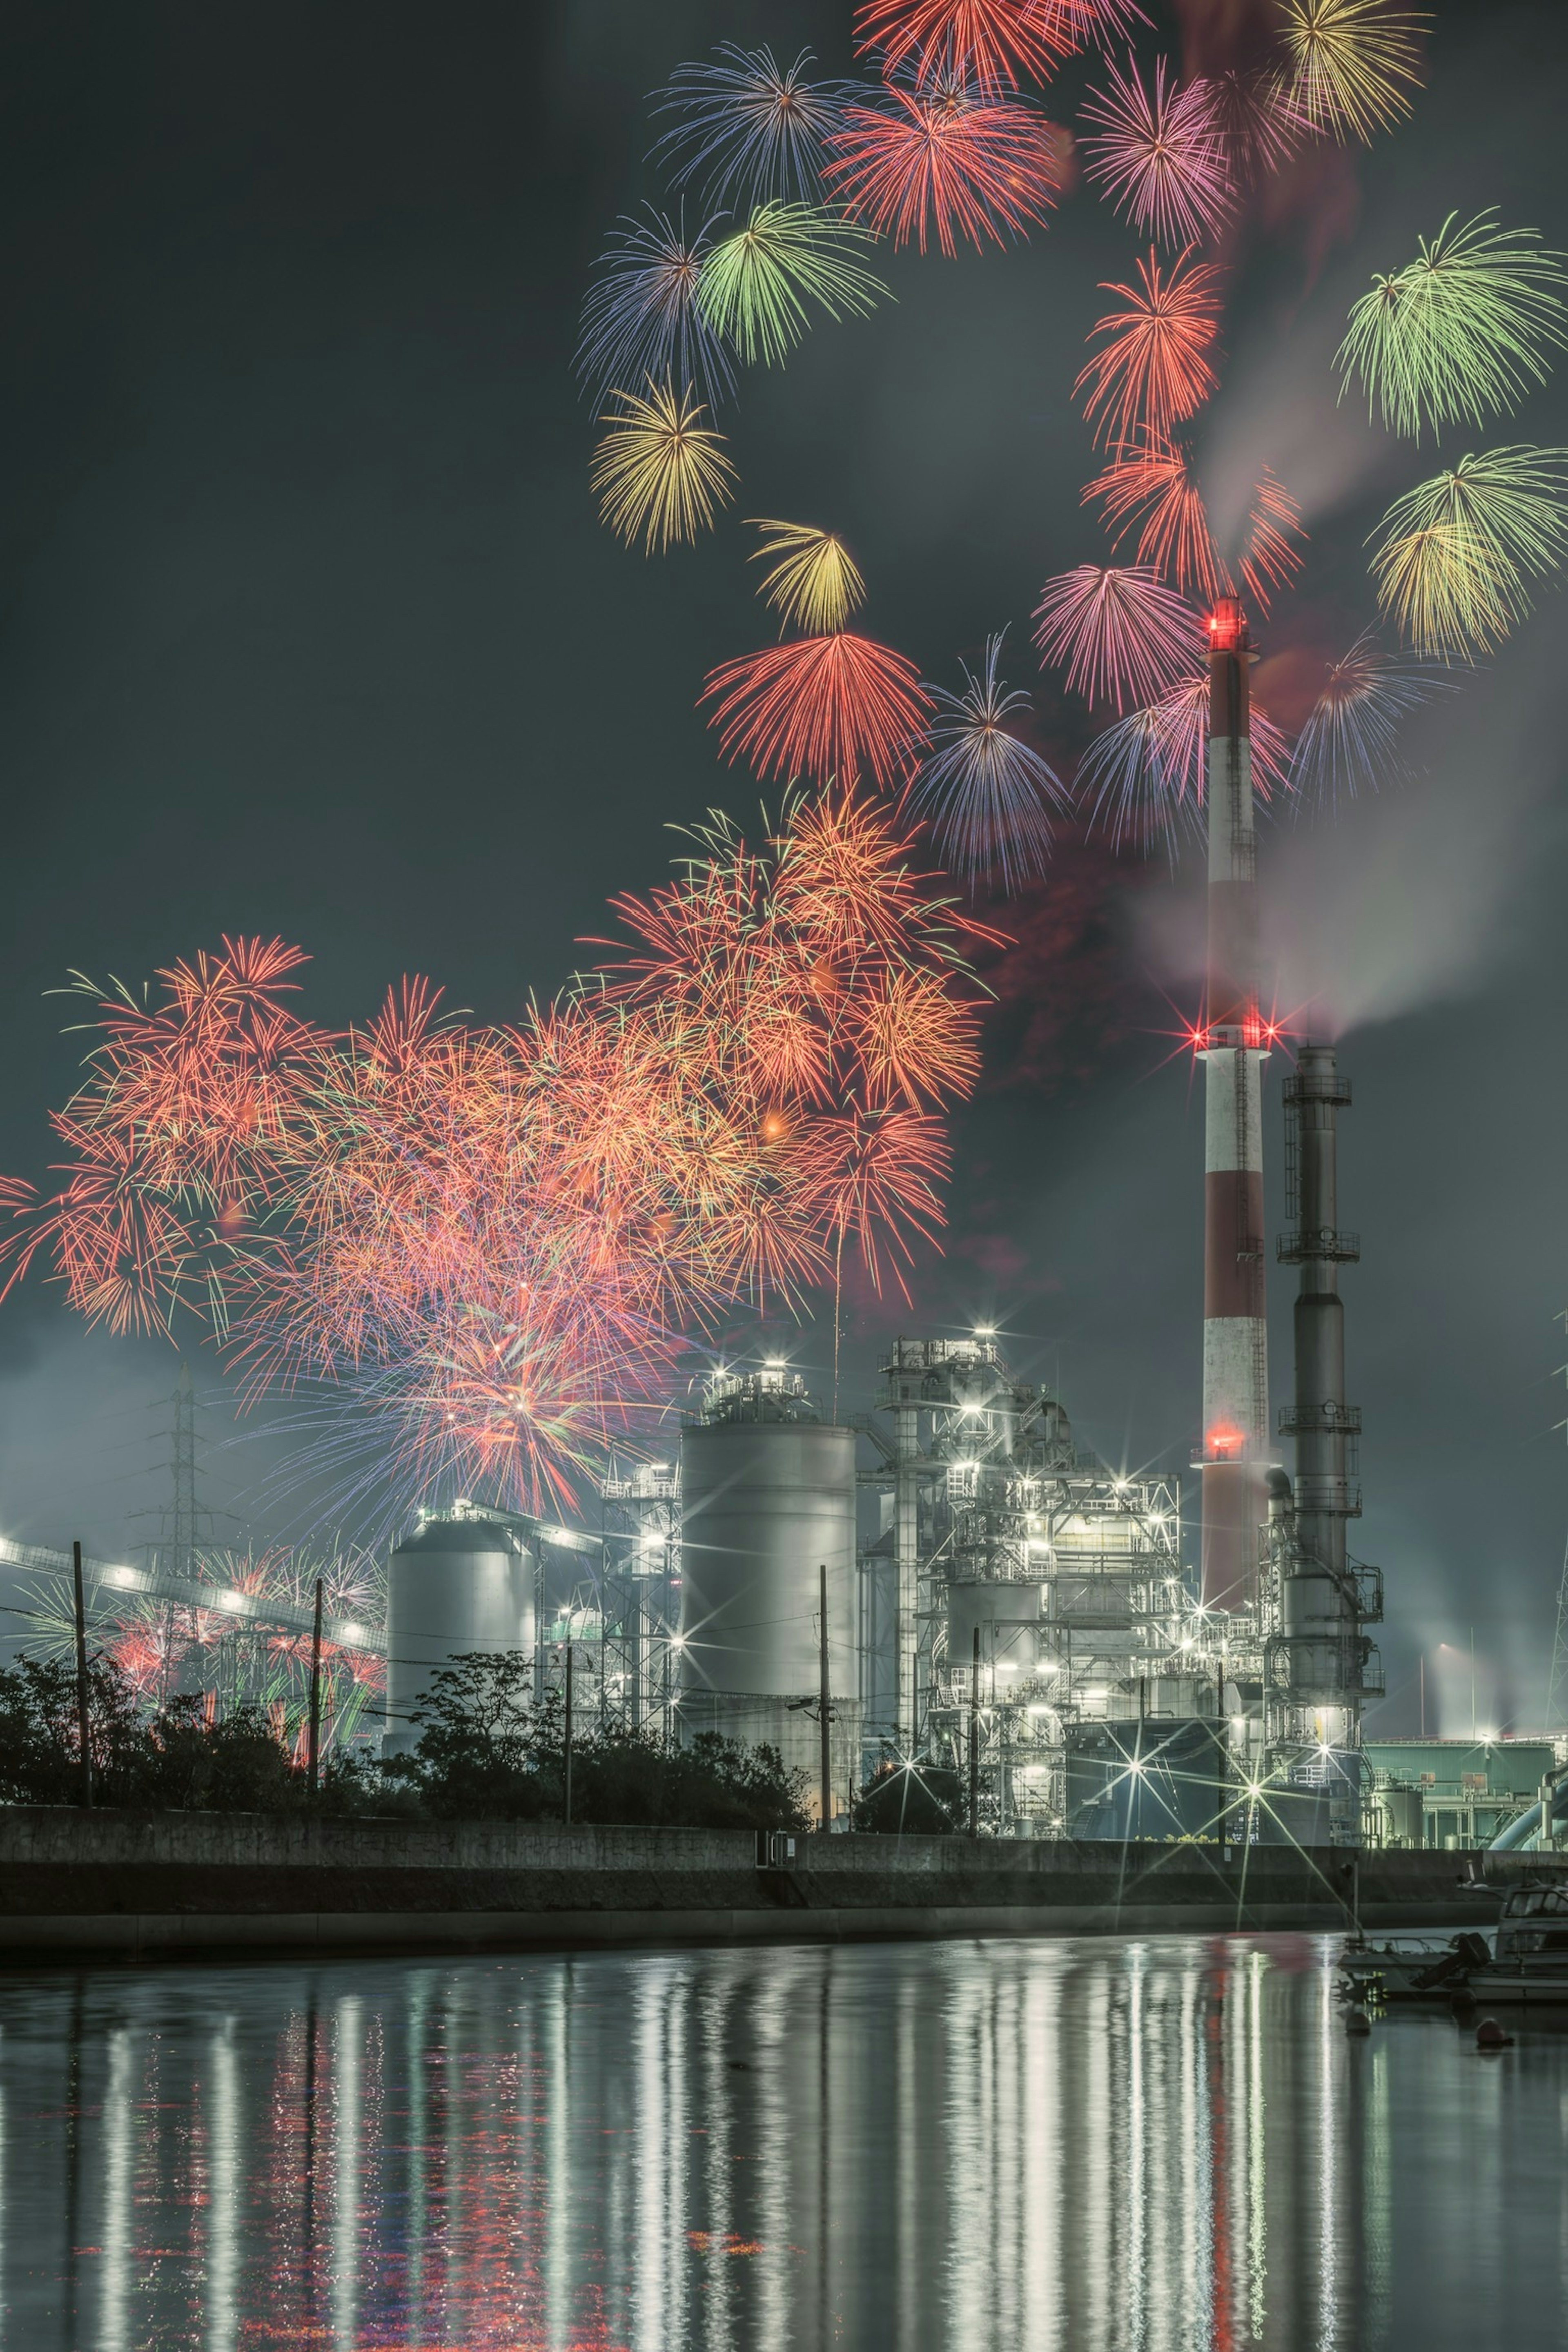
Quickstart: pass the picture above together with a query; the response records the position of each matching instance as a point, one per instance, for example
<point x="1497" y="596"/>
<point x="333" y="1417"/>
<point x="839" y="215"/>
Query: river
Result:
<point x="1081" y="2145"/>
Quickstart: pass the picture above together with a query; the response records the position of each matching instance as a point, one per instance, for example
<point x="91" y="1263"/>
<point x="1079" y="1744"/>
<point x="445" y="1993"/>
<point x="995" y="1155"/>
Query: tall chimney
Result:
<point x="1235" y="1447"/>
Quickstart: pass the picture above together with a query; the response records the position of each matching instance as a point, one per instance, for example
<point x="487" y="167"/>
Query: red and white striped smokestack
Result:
<point x="1235" y="1447"/>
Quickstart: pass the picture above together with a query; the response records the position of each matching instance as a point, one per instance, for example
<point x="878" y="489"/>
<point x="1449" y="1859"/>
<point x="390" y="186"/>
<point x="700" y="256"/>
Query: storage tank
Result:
<point x="460" y="1581"/>
<point x="768" y="1500"/>
<point x="1006" y="1614"/>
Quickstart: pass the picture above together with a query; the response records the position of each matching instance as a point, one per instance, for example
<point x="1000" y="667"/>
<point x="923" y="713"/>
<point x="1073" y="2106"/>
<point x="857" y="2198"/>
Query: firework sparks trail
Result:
<point x="1459" y="333"/>
<point x="1123" y="636"/>
<point x="752" y="130"/>
<point x="642" y="321"/>
<point x="1156" y="368"/>
<point x="1147" y="775"/>
<point x="659" y="470"/>
<point x="999" y="41"/>
<point x="1259" y="121"/>
<point x="1454" y="555"/>
<point x="817" y="584"/>
<point x="1161" y="155"/>
<point x="1350" y="740"/>
<point x="947" y="160"/>
<point x="834" y="705"/>
<point x="989" y="795"/>
<point x="1352" y="63"/>
<point x="754" y="286"/>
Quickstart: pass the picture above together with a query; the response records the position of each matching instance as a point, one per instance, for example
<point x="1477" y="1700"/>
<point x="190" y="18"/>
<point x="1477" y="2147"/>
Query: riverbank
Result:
<point x="157" y="1886"/>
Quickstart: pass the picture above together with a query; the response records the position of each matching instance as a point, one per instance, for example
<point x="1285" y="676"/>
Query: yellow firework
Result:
<point x="1352" y="61"/>
<point x="657" y="470"/>
<point x="816" y="585"/>
<point x="1457" y="553"/>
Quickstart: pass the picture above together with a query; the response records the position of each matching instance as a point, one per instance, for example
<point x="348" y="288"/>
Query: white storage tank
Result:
<point x="460" y="1581"/>
<point x="768" y="1501"/>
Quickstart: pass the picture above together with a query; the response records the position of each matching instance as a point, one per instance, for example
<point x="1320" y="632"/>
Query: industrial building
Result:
<point x="950" y="1583"/>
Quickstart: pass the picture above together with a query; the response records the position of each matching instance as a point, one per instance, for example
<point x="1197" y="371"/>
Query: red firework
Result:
<point x="1155" y="490"/>
<point x="832" y="708"/>
<point x="947" y="158"/>
<point x="1155" y="368"/>
<point x="999" y="41"/>
<point x="1161" y="155"/>
<point x="1124" y="636"/>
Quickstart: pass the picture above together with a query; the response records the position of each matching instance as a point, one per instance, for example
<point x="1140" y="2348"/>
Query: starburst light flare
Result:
<point x="752" y="129"/>
<point x="988" y="794"/>
<point x="1352" y="63"/>
<point x="830" y="706"/>
<point x="947" y="158"/>
<point x="816" y="585"/>
<point x="1350" y="741"/>
<point x="754" y="286"/>
<point x="1459" y="333"/>
<point x="1122" y="634"/>
<point x="1156" y="368"/>
<point x="659" y="470"/>
<point x="643" y="320"/>
<point x="1160" y="154"/>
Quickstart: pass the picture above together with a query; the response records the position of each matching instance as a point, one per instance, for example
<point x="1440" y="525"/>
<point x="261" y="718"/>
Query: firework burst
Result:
<point x="1122" y="633"/>
<point x="1354" y="63"/>
<point x="642" y="322"/>
<point x="750" y="130"/>
<point x="754" y="286"/>
<point x="659" y="471"/>
<point x="815" y="585"/>
<point x="1147" y="775"/>
<point x="1156" y="367"/>
<point x="1161" y="155"/>
<point x="1460" y="333"/>
<point x="1454" y="556"/>
<point x="1153" y="489"/>
<point x="948" y="159"/>
<point x="1350" y="741"/>
<point x="835" y="707"/>
<point x="989" y="795"/>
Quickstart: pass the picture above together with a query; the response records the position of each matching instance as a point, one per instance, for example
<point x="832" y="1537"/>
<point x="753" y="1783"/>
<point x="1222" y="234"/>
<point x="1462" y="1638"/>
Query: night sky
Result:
<point x="307" y="626"/>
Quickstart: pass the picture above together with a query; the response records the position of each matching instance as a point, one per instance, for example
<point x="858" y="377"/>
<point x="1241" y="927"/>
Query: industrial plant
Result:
<point x="949" y="1585"/>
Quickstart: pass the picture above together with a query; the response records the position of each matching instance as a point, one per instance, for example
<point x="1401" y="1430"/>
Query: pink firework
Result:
<point x="1161" y="155"/>
<point x="1122" y="633"/>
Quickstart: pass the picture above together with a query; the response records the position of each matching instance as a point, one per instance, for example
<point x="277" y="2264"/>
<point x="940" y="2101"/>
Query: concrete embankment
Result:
<point x="152" y="1885"/>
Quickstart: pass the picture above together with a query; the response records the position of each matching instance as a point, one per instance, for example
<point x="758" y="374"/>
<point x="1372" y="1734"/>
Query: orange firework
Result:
<point x="1155" y="368"/>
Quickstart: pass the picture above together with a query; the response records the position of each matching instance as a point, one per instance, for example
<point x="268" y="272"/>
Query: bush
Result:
<point x="924" y="1800"/>
<point x="486" y="1752"/>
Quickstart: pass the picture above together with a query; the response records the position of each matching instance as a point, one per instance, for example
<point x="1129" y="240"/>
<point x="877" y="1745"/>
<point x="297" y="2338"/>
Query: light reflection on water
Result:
<point x="1132" y="2146"/>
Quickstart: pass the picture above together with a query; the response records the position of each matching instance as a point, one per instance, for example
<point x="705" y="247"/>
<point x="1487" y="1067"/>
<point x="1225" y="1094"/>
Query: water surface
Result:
<point x="1069" y="2147"/>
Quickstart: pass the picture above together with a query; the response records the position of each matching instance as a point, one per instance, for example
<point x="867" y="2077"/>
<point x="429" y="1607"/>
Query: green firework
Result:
<point x="1460" y="333"/>
<point x="755" y="285"/>
<point x="1454" y="554"/>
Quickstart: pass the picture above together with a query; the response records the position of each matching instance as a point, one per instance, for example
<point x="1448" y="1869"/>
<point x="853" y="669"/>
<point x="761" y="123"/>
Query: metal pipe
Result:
<point x="974" y="1739"/>
<point x="83" y="1720"/>
<point x="825" y="1710"/>
<point x="906" y="1554"/>
<point x="1235" y="1336"/>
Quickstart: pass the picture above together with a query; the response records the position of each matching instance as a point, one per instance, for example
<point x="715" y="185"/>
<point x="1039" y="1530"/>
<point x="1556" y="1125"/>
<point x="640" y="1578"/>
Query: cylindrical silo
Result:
<point x="454" y="1584"/>
<point x="767" y="1502"/>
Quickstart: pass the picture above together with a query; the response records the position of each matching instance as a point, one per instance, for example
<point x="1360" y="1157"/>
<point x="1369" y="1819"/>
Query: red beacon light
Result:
<point x="1227" y="625"/>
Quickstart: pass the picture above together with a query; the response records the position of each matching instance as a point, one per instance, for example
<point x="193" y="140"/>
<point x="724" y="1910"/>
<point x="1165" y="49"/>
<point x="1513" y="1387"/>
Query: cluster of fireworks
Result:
<point x="487" y="1249"/>
<point x="801" y="178"/>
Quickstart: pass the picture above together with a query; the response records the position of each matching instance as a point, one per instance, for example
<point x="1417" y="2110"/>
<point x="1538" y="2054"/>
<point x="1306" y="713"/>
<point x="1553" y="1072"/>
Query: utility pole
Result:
<point x="824" y="1711"/>
<point x="566" y="1809"/>
<point x="974" y="1741"/>
<point x="313" y="1750"/>
<point x="82" y="1723"/>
